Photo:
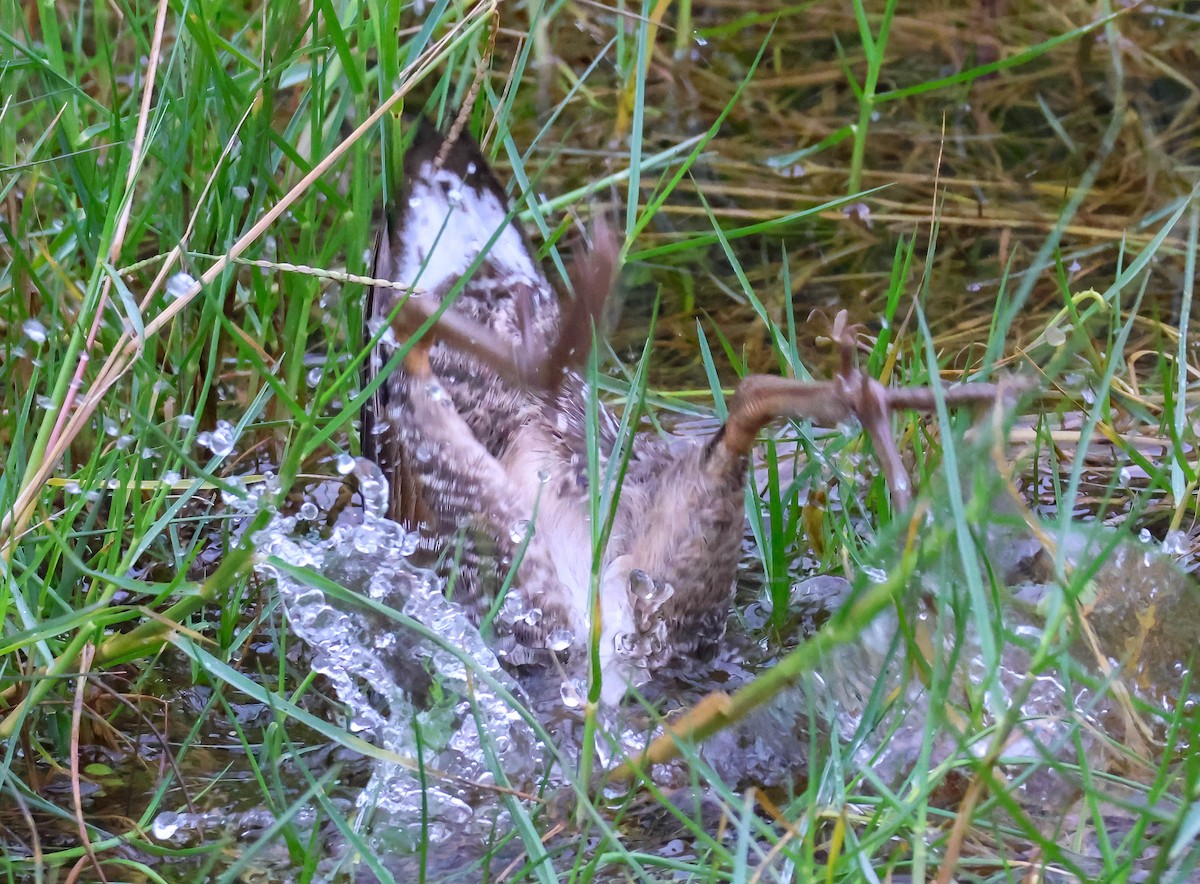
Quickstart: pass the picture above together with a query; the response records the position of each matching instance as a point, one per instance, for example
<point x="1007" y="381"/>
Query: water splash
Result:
<point x="1056" y="709"/>
<point x="415" y="675"/>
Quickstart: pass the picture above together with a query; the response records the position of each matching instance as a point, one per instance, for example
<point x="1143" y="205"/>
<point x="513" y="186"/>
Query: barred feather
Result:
<point x="475" y="458"/>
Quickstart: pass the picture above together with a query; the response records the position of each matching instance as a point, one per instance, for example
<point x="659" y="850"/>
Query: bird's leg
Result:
<point x="514" y="361"/>
<point x="468" y="494"/>
<point x="463" y="486"/>
<point x="759" y="399"/>
<point x="593" y="278"/>
<point x="528" y="361"/>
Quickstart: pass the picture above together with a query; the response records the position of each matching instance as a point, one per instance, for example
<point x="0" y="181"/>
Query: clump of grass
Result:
<point x="170" y="180"/>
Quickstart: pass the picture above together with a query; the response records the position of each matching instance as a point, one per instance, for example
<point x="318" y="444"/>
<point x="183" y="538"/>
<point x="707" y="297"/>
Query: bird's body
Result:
<point x="483" y="431"/>
<point x="483" y="465"/>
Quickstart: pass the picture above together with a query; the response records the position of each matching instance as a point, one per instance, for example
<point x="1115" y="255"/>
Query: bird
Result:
<point x="497" y="452"/>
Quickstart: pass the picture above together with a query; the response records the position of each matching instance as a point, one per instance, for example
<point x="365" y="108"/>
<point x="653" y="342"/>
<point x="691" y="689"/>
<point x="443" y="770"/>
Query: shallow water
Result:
<point x="419" y="682"/>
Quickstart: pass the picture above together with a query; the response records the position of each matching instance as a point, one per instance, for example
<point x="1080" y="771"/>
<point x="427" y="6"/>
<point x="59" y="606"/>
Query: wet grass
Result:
<point x="187" y="202"/>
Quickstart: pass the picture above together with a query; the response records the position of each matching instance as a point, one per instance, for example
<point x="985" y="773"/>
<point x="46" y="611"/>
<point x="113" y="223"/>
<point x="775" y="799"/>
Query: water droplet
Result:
<point x="179" y="285"/>
<point x="219" y="441"/>
<point x="366" y="540"/>
<point x="34" y="330"/>
<point x="649" y="591"/>
<point x="344" y="464"/>
<point x="861" y="213"/>
<point x="875" y="575"/>
<point x="372" y="486"/>
<point x="560" y="639"/>
<point x="1175" y="543"/>
<point x="308" y="511"/>
<point x="641" y="584"/>
<point x="514" y="607"/>
<point x="165" y="825"/>
<point x="235" y="493"/>
<point x="313" y="378"/>
<point x="571" y="697"/>
<point x="656" y="641"/>
<point x="1145" y="536"/>
<point x="521" y="529"/>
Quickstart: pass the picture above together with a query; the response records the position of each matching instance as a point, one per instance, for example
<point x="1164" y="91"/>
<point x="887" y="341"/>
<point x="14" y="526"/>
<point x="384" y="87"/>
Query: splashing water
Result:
<point x="418" y="680"/>
<point x="415" y="675"/>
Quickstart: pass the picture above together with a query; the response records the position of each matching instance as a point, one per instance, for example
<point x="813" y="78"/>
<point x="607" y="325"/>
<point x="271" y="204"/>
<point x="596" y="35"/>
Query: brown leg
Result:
<point x="759" y="399"/>
<point x="527" y="362"/>
<point x="468" y="494"/>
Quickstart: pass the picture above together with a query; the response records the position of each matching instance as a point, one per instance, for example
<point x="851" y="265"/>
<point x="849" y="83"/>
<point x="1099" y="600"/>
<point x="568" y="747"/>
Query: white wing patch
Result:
<point x="447" y="223"/>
